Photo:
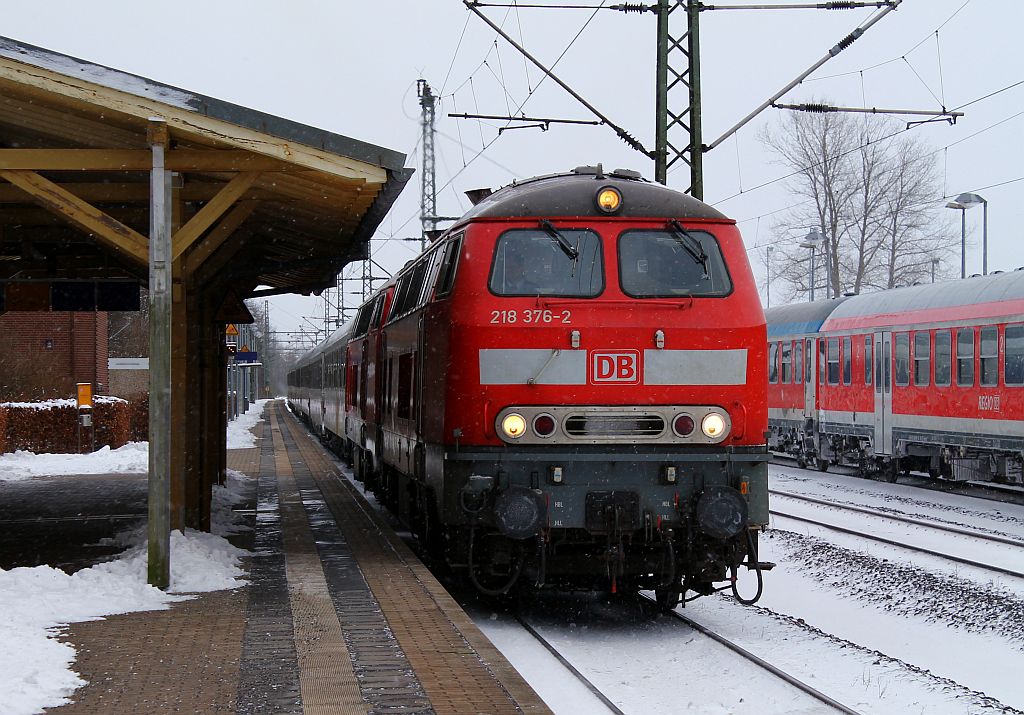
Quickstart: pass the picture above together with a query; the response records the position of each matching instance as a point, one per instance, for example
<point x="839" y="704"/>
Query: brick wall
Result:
<point x="43" y="355"/>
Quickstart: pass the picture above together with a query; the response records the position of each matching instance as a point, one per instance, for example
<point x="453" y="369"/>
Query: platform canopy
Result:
<point x="258" y="200"/>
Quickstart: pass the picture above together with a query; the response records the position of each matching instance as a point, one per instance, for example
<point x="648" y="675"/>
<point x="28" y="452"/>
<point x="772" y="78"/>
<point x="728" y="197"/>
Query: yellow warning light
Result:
<point x="609" y="200"/>
<point x="513" y="425"/>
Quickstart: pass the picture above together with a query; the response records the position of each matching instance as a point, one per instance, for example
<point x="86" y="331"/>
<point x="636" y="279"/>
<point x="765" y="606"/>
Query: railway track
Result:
<point x="742" y="652"/>
<point x="902" y="544"/>
<point x="760" y="662"/>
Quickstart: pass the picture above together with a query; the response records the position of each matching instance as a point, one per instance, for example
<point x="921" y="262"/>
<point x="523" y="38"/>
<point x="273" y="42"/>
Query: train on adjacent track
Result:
<point x="566" y="389"/>
<point x="926" y="378"/>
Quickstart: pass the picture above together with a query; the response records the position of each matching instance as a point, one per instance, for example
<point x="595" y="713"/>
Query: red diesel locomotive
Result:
<point x="567" y="388"/>
<point x="927" y="378"/>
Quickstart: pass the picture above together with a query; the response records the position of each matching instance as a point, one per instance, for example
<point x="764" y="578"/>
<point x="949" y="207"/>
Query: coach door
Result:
<point x="810" y="379"/>
<point x="882" y="441"/>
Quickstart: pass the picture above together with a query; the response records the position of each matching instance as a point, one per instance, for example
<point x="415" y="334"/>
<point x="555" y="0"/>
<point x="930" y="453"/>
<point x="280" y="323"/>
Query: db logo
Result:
<point x="621" y="367"/>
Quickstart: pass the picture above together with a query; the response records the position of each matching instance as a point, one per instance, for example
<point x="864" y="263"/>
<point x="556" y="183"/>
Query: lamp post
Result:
<point x="964" y="202"/>
<point x="768" y="266"/>
<point x="935" y="263"/>
<point x="812" y="241"/>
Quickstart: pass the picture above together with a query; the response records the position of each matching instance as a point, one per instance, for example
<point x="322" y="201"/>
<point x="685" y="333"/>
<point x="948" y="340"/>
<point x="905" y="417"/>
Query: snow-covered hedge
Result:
<point x="52" y="425"/>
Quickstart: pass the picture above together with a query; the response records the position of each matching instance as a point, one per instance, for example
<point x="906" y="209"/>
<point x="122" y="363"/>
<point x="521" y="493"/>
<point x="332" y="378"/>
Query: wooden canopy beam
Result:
<point x="108" y="230"/>
<point x="211" y="212"/>
<point x="216" y="238"/>
<point x="181" y="160"/>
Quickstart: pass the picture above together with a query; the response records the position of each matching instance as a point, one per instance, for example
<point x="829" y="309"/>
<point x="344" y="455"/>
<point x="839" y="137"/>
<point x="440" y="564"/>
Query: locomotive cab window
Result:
<point x="670" y="263"/>
<point x="1013" y="370"/>
<point x="533" y="262"/>
<point x="449" y="262"/>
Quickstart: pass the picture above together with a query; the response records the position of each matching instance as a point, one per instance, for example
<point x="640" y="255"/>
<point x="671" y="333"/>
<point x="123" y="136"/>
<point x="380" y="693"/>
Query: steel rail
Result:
<point x="740" y="650"/>
<point x="905" y="519"/>
<point x="60" y="519"/>
<point x="908" y="547"/>
<point x="569" y="666"/>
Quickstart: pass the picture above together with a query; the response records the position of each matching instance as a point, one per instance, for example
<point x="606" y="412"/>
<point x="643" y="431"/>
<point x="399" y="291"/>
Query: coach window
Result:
<point x="943" y="358"/>
<point x="989" y="356"/>
<point x="878" y="369"/>
<point x="787" y="363"/>
<point x="672" y="264"/>
<point x="773" y="363"/>
<point x="847" y="360"/>
<point x="833" y="361"/>
<point x="808" y="362"/>
<point x="1013" y="370"/>
<point x="922" y="359"/>
<point x="532" y="262"/>
<point x="965" y="357"/>
<point x="902" y="359"/>
<point x="822" y="362"/>
<point x="867" y="359"/>
<point x="798" y="362"/>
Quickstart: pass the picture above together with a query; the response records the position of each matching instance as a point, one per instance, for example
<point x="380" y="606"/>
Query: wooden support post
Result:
<point x="159" y="557"/>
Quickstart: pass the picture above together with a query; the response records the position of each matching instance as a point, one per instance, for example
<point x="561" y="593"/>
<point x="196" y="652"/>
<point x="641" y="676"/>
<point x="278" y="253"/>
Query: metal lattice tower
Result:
<point x="678" y="132"/>
<point x="428" y="197"/>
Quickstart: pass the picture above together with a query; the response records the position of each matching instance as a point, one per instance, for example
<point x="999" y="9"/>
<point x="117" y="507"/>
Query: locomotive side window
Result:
<point x="943" y="358"/>
<point x="833" y="361"/>
<point x="664" y="264"/>
<point x="847" y="360"/>
<point x="902" y="359"/>
<point x="787" y="363"/>
<point x="922" y="359"/>
<point x="989" y="362"/>
<point x="773" y="363"/>
<point x="1014" y="368"/>
<point x="798" y="362"/>
<point x="531" y="262"/>
<point x="965" y="357"/>
<point x="449" y="262"/>
<point x="867" y="359"/>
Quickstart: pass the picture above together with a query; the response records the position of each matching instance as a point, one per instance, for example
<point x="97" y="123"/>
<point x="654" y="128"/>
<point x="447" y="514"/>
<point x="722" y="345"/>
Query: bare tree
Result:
<point x="869" y="197"/>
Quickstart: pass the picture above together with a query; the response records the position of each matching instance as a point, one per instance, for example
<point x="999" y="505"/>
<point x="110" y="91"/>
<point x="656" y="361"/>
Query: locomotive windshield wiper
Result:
<point x="691" y="244"/>
<point x="562" y="241"/>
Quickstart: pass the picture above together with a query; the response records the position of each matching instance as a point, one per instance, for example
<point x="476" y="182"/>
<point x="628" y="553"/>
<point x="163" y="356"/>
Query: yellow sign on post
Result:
<point x="231" y="329"/>
<point x="85" y="394"/>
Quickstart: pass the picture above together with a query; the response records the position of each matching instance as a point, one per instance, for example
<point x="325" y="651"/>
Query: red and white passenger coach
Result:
<point x="568" y="387"/>
<point x="927" y="378"/>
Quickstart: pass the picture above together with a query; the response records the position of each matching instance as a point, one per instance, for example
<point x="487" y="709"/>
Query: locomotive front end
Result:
<point x="610" y="414"/>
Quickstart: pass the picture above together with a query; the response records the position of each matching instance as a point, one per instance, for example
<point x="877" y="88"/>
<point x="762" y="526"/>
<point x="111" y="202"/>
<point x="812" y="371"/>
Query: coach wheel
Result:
<point x="821" y="464"/>
<point x="802" y="463"/>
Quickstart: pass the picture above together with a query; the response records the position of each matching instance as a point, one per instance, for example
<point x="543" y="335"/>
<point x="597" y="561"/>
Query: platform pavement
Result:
<point x="332" y="622"/>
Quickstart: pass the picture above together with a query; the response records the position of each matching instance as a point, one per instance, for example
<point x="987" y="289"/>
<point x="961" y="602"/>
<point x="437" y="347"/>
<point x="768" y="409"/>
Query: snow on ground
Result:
<point x="131" y="458"/>
<point x="36" y="603"/>
<point x="36" y="668"/>
<point x="240" y="434"/>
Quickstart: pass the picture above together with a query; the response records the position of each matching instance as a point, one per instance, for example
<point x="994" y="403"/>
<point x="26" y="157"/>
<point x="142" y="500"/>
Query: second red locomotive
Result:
<point x="568" y="387"/>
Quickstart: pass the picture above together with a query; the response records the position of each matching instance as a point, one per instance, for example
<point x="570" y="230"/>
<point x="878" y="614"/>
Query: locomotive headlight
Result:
<point x="608" y="200"/>
<point x="513" y="425"/>
<point x="713" y="425"/>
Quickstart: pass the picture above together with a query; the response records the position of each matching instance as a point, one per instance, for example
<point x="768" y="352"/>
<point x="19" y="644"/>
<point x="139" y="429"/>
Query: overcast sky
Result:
<point x="351" y="68"/>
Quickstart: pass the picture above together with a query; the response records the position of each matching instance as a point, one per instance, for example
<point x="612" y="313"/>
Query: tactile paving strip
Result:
<point x="326" y="678"/>
<point x="269" y="670"/>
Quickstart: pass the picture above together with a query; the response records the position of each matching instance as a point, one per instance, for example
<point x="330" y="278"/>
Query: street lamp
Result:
<point x="935" y="263"/>
<point x="964" y="202"/>
<point x="768" y="266"/>
<point x="812" y="241"/>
